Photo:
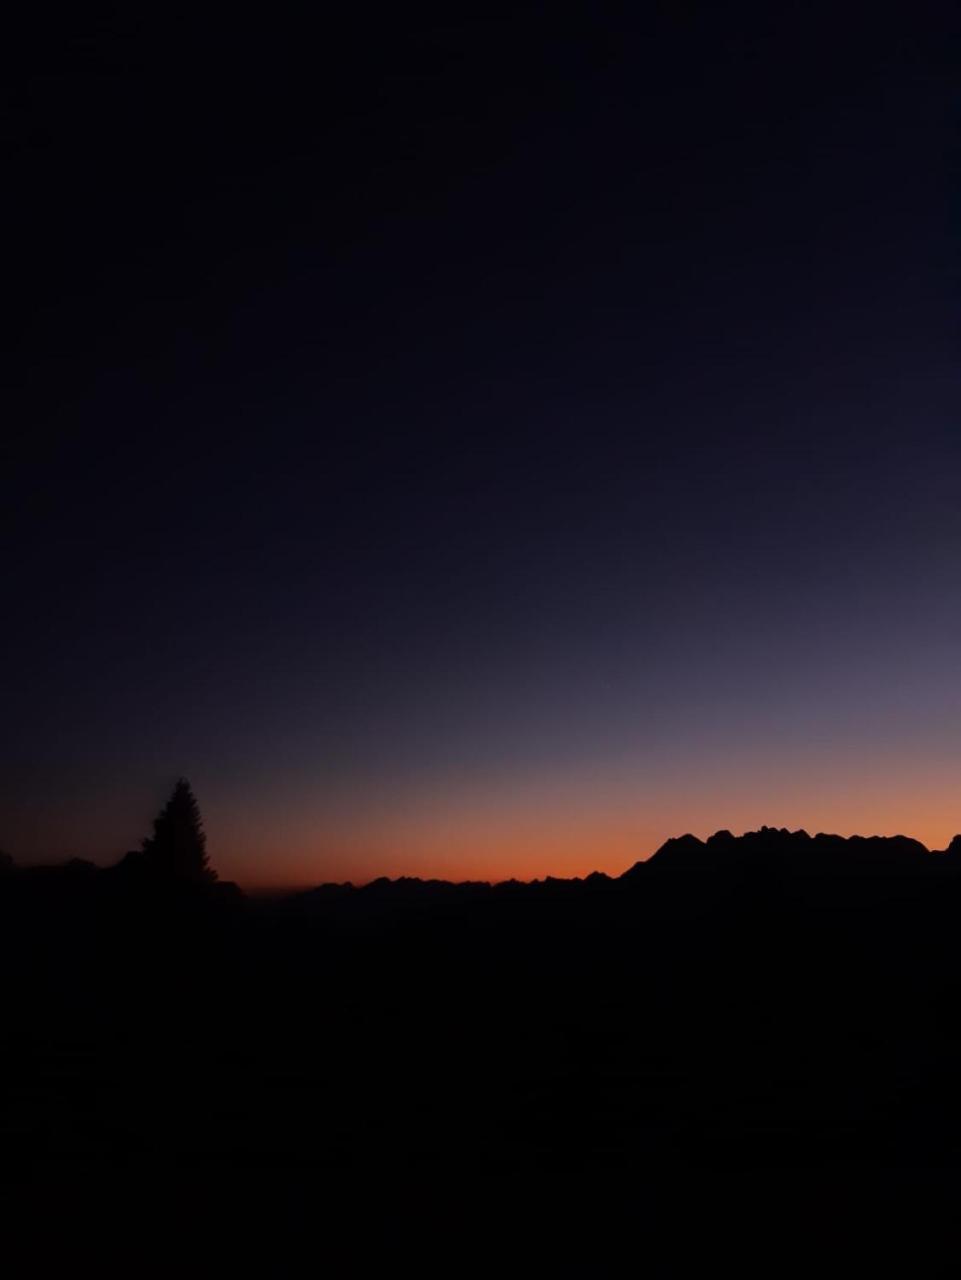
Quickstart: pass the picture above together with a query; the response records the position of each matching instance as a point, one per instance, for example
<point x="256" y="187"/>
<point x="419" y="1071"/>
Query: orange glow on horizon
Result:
<point x="571" y="826"/>
<point x="521" y="855"/>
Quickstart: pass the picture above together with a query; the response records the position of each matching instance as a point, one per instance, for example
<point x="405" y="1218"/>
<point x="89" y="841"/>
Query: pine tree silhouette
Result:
<point x="178" y="846"/>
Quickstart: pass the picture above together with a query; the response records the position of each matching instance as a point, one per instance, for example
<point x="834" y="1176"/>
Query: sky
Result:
<point x="480" y="441"/>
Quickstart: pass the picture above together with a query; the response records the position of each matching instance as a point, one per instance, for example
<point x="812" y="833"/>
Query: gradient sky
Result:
<point x="481" y="442"/>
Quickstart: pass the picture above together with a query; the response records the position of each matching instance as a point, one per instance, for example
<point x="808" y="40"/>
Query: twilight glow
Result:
<point x="454" y="477"/>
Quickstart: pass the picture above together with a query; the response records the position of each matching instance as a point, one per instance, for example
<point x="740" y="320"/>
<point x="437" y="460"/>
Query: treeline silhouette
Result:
<point x="748" y="1043"/>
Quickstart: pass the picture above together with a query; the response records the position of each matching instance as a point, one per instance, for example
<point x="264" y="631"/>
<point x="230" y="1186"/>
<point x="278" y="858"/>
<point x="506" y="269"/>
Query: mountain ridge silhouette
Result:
<point x="687" y="857"/>
<point x="682" y="861"/>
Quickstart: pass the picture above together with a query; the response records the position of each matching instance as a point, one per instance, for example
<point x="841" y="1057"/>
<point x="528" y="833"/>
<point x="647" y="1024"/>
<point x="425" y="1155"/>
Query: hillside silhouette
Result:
<point x="747" y="1029"/>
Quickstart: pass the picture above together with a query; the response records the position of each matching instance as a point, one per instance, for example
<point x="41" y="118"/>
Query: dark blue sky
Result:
<point x="481" y="441"/>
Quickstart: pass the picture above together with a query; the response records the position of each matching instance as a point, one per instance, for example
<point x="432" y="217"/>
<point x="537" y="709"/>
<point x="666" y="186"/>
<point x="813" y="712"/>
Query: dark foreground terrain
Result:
<point x="741" y="1056"/>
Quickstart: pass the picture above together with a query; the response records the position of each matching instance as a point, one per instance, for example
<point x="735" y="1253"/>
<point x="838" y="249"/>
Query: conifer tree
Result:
<point x="178" y="846"/>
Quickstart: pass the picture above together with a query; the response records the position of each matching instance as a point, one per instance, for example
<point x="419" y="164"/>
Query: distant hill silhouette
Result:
<point x="684" y="861"/>
<point x="788" y="852"/>
<point x="685" y="868"/>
